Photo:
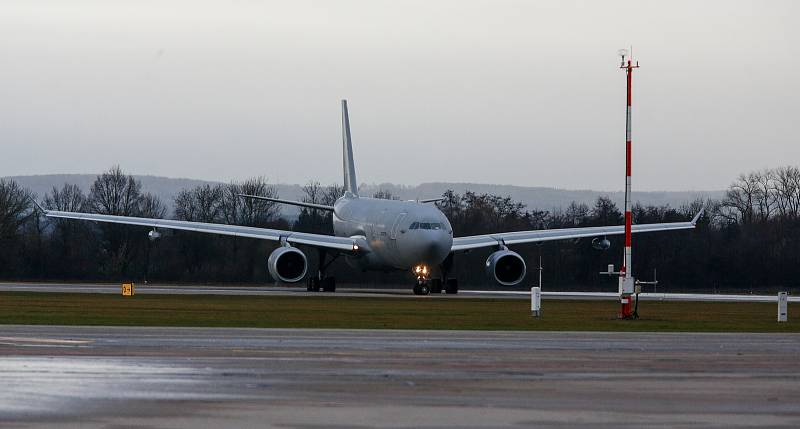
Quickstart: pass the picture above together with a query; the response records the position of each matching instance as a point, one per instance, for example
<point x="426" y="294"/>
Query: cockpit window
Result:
<point x="426" y="225"/>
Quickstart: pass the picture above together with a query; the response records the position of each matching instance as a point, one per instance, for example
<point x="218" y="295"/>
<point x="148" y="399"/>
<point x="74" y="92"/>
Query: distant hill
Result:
<point x="539" y="198"/>
<point x="164" y="187"/>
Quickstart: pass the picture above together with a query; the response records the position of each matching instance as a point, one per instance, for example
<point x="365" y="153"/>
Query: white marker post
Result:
<point x="783" y="303"/>
<point x="536" y="301"/>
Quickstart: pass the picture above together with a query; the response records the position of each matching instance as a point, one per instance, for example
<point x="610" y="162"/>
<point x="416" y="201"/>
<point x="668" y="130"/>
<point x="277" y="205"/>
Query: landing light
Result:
<point x="355" y="247"/>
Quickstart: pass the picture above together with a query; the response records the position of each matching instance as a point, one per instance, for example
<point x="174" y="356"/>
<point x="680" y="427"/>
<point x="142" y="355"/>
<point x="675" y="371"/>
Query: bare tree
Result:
<point x="739" y="203"/>
<point x="332" y="193"/>
<point x="15" y="204"/>
<point x="186" y="206"/>
<point x="384" y="195"/>
<point x="313" y="220"/>
<point x="201" y="204"/>
<point x="70" y="198"/>
<point x="249" y="211"/>
<point x="451" y="206"/>
<point x="73" y="244"/>
<point x="576" y="213"/>
<point x="115" y="193"/>
<point x="757" y="196"/>
<point x="765" y="195"/>
<point x="787" y="190"/>
<point x="313" y="192"/>
<point x="151" y="206"/>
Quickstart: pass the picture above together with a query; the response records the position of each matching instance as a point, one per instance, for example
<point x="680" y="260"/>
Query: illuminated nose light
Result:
<point x="355" y="247"/>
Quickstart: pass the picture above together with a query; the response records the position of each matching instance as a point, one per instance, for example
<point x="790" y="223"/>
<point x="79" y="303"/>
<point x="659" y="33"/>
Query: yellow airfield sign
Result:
<point x="127" y="289"/>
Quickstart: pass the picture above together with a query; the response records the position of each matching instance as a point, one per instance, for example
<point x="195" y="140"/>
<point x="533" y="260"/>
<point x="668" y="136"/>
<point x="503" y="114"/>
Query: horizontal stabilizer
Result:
<point x="38" y="206"/>
<point x="290" y="202"/>
<point x="431" y="200"/>
<point x="697" y="216"/>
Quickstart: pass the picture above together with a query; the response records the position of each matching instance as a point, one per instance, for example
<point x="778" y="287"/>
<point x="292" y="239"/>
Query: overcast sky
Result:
<point x="525" y="93"/>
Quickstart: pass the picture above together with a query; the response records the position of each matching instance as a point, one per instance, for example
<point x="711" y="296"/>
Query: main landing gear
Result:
<point x="319" y="282"/>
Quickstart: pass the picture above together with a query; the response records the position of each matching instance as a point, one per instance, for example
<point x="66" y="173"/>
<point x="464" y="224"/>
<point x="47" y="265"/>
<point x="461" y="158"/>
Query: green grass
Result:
<point x="380" y="313"/>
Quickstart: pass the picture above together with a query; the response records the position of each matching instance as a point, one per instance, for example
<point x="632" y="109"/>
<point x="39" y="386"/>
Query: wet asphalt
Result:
<point x="56" y="376"/>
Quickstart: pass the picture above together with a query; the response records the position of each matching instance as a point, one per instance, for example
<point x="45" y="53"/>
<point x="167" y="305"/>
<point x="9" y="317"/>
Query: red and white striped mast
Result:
<point x="626" y="281"/>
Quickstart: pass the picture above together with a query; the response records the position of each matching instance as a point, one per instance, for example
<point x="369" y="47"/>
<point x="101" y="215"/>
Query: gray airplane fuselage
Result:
<point x="397" y="234"/>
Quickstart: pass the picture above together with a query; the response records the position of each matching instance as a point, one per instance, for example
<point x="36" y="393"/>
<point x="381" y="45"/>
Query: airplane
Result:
<point x="382" y="235"/>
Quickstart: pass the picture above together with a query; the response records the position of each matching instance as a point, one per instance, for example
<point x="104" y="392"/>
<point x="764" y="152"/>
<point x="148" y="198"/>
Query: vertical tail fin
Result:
<point x="350" y="183"/>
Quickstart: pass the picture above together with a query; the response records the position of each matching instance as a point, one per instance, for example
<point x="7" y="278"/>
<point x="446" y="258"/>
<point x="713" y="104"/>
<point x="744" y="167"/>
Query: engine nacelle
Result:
<point x="505" y="267"/>
<point x="601" y="243"/>
<point x="287" y="264"/>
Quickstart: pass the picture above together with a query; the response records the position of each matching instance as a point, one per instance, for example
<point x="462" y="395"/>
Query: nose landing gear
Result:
<point x="423" y="280"/>
<point x="422" y="287"/>
<point x="425" y="284"/>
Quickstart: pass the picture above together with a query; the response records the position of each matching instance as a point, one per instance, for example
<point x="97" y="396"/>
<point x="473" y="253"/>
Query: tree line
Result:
<point x="747" y="240"/>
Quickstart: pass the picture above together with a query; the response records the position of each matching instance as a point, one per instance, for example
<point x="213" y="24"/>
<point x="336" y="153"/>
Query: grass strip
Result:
<point x="330" y="311"/>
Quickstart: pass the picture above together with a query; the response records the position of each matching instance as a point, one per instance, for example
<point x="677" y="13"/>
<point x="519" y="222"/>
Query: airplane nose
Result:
<point x="433" y="249"/>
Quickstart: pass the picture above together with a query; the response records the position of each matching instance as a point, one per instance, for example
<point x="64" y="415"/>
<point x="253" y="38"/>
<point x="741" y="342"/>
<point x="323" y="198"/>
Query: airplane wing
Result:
<point x="476" y="241"/>
<point x="318" y="240"/>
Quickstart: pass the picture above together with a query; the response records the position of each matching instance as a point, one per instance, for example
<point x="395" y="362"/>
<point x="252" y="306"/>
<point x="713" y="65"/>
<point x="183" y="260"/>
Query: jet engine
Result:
<point x="287" y="264"/>
<point x="505" y="267"/>
<point x="601" y="243"/>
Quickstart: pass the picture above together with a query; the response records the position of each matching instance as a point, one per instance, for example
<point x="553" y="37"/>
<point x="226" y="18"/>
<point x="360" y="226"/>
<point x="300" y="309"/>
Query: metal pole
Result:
<point x="540" y="271"/>
<point x="626" y="282"/>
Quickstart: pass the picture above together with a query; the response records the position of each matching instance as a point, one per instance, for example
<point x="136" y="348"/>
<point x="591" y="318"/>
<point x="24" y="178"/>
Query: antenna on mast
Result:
<point x="623" y="53"/>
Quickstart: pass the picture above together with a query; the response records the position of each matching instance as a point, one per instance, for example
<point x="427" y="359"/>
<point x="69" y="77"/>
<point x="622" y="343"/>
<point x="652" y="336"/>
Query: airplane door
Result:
<point x="396" y="226"/>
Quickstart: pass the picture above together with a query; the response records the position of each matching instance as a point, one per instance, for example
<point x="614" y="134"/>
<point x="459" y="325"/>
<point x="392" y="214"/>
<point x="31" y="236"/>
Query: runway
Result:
<point x="62" y="377"/>
<point x="356" y="291"/>
<point x="231" y="290"/>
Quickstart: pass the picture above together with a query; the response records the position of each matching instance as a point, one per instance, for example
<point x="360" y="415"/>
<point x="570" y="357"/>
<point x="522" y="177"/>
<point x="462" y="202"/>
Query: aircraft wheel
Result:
<point x="329" y="284"/>
<point x="312" y="285"/>
<point x="422" y="289"/>
<point x="452" y="286"/>
<point x="436" y="285"/>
